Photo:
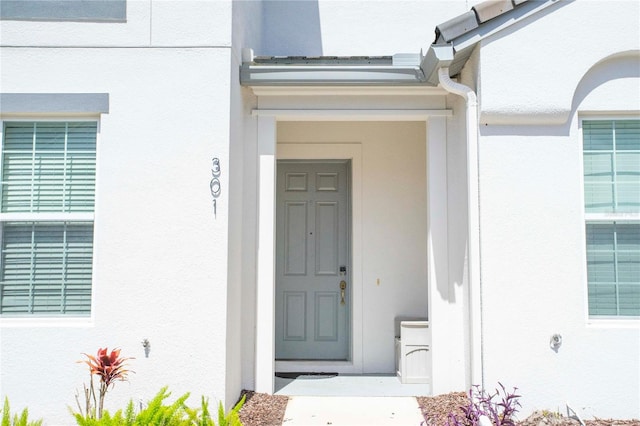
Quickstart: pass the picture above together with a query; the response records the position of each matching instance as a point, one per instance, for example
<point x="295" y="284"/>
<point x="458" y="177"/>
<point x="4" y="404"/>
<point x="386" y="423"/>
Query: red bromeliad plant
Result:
<point x="109" y="366"/>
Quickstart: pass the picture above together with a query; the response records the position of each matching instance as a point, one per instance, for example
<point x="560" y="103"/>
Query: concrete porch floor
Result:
<point x="347" y="386"/>
<point x="352" y="411"/>
<point x="350" y="400"/>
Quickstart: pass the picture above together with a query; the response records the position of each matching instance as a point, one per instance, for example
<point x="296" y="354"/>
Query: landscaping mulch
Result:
<point x="436" y="409"/>
<point x="262" y="409"/>
<point x="553" y="419"/>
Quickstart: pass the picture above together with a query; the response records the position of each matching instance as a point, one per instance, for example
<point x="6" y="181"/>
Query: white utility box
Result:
<point x="413" y="350"/>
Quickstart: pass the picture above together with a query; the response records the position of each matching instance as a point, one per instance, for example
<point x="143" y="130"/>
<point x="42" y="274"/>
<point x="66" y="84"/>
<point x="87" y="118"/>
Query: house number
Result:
<point x="215" y="185"/>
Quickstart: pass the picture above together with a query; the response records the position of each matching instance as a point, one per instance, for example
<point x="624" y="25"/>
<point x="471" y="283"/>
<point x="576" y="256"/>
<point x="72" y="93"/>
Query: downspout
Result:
<point x="473" y="223"/>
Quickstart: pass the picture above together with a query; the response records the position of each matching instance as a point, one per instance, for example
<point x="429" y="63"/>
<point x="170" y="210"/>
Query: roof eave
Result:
<point x="522" y="11"/>
<point x="457" y="38"/>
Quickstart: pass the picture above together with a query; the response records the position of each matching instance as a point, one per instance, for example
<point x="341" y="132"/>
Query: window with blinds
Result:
<point x="612" y="211"/>
<point x="46" y="210"/>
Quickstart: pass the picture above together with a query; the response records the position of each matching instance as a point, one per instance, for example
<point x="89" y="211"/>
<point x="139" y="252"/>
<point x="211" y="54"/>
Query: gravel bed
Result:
<point x="436" y="409"/>
<point x="268" y="410"/>
<point x="261" y="409"/>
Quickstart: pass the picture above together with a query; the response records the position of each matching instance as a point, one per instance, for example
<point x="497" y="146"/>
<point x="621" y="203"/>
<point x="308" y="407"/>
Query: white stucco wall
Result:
<point x="241" y="306"/>
<point x="160" y="254"/>
<point x="393" y="224"/>
<point x="532" y="213"/>
<point x="148" y="23"/>
<point x="168" y="271"/>
<point x="322" y="27"/>
<point x="534" y="282"/>
<point x="542" y="59"/>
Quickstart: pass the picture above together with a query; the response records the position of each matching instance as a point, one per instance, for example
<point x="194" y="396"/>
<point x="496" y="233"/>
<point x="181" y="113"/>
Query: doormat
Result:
<point x="305" y="376"/>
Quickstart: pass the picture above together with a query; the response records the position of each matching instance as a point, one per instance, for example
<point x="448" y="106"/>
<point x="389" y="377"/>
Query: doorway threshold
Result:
<point x="314" y="366"/>
<point x="333" y="384"/>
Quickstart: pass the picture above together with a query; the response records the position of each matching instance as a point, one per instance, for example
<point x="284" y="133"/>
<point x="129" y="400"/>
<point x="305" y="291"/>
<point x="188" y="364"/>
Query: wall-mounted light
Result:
<point x="555" y="342"/>
<point x="147" y="347"/>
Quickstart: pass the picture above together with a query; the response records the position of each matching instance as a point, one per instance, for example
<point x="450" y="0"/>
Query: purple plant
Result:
<point x="500" y="412"/>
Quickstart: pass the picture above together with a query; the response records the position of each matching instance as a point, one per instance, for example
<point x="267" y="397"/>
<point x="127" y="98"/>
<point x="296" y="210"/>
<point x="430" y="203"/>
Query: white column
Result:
<point x="265" y="286"/>
<point x="437" y="255"/>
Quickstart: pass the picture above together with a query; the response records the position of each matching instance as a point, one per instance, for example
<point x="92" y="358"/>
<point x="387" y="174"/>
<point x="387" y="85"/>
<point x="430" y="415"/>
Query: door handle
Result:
<point x="343" y="287"/>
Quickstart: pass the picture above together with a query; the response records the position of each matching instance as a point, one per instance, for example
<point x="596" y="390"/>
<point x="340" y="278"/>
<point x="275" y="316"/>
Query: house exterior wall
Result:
<point x="241" y="306"/>
<point x="556" y="48"/>
<point x="534" y="282"/>
<point x="536" y="84"/>
<point x="160" y="254"/>
<point x="168" y="270"/>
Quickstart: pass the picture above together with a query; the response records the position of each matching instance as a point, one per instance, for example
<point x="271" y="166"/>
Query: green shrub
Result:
<point x="16" y="420"/>
<point x="159" y="413"/>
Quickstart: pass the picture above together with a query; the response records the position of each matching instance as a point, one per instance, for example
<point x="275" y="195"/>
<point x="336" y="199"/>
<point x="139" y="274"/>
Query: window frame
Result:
<point x="54" y="320"/>
<point x="605" y="321"/>
<point x="101" y="11"/>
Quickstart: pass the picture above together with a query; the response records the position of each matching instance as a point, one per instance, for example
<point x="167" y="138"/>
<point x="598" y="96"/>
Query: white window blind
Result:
<point x="46" y="268"/>
<point x="46" y="261"/>
<point x="612" y="210"/>
<point x="49" y="167"/>
<point x="612" y="166"/>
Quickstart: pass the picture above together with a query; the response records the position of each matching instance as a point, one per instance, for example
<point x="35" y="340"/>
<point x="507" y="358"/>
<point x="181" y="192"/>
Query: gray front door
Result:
<point x="313" y="270"/>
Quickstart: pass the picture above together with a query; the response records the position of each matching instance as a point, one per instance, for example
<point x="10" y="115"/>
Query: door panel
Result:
<point x="295" y="253"/>
<point x="295" y="307"/>
<point x="326" y="311"/>
<point x="312" y="240"/>
<point x="326" y="250"/>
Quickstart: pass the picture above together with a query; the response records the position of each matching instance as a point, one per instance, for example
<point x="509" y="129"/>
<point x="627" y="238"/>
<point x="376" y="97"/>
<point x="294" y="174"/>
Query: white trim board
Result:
<point x="352" y="114"/>
<point x="347" y="90"/>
